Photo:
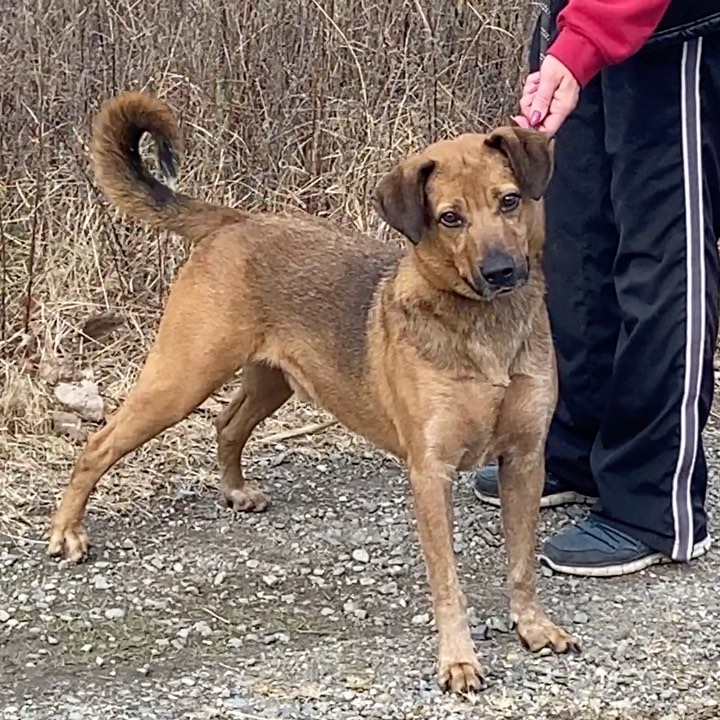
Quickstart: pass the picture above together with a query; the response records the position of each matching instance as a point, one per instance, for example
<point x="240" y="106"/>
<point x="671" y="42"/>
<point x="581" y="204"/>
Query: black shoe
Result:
<point x="554" y="493"/>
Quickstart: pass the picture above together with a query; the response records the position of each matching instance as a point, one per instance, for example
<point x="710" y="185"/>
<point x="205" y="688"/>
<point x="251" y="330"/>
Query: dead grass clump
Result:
<point x="284" y="105"/>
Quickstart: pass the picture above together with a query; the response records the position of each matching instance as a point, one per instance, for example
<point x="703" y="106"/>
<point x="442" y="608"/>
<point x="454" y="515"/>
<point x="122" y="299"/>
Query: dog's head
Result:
<point x="472" y="207"/>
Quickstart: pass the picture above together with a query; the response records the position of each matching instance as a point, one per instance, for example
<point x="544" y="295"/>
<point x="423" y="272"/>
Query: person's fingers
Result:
<point x="541" y="98"/>
<point x="542" y="103"/>
<point x="526" y="105"/>
<point x="531" y="83"/>
<point x="563" y="103"/>
<point x="526" y="100"/>
<point x="521" y="121"/>
<point x="548" y="97"/>
<point x="529" y="88"/>
<point x="550" y="125"/>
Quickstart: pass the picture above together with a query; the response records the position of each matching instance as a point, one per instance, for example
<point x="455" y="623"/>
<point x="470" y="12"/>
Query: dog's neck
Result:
<point x="461" y="334"/>
<point x="417" y="284"/>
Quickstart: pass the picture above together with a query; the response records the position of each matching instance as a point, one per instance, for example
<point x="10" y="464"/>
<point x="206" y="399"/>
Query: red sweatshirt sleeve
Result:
<point x="596" y="33"/>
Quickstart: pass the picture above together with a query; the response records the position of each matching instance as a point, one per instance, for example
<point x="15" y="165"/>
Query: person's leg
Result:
<point x="579" y="253"/>
<point x="648" y="459"/>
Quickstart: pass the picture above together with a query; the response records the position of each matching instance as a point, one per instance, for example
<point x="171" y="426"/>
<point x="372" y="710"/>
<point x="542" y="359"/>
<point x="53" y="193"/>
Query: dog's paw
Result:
<point x="248" y="498"/>
<point x="69" y="540"/>
<point x="538" y="632"/>
<point x="461" y="676"/>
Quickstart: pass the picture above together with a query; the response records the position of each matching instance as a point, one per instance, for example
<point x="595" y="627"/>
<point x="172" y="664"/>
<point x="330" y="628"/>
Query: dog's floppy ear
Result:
<point x="530" y="153"/>
<point x="400" y="198"/>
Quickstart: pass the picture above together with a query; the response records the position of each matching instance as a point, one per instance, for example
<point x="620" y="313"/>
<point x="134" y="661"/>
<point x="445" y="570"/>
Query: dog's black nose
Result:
<point x="499" y="270"/>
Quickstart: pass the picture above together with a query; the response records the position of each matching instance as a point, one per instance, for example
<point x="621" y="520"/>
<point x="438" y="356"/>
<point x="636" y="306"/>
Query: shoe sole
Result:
<point x="628" y="568"/>
<point x="548" y="501"/>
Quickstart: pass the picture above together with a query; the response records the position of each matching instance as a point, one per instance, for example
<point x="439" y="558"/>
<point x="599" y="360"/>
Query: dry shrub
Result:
<point x="284" y="105"/>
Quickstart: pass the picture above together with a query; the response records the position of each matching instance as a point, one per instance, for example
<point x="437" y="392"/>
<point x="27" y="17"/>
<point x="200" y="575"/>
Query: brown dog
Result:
<point x="441" y="355"/>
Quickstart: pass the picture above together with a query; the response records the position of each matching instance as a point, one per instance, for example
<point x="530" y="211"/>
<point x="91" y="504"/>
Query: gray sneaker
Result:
<point x="595" y="549"/>
<point x="555" y="492"/>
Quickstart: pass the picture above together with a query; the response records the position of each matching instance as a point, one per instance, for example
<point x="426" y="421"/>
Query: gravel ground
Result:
<point x="319" y="609"/>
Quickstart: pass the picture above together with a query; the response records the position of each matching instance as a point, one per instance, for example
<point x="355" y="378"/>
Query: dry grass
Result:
<point x="284" y="105"/>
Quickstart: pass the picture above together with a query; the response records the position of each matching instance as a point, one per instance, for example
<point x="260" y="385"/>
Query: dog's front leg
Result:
<point x="521" y="481"/>
<point x="459" y="668"/>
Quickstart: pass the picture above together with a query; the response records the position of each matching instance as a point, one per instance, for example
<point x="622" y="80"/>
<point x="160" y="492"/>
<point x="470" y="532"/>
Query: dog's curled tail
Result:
<point x="129" y="185"/>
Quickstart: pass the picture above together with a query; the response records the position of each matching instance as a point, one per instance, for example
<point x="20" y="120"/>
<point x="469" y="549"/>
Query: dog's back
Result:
<point x="310" y="283"/>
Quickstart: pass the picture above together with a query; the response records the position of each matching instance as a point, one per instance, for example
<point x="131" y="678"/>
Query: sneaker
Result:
<point x="555" y="492"/>
<point x="595" y="549"/>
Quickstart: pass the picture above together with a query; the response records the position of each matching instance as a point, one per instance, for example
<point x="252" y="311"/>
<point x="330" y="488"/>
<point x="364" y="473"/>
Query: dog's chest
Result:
<point x="478" y="411"/>
<point x="492" y="361"/>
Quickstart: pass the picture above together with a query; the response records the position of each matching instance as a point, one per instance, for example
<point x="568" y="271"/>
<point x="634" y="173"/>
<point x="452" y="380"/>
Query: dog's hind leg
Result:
<point x="198" y="348"/>
<point x="264" y="390"/>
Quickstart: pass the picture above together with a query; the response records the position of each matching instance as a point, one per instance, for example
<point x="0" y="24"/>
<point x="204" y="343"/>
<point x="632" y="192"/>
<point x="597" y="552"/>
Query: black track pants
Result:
<point x="633" y="215"/>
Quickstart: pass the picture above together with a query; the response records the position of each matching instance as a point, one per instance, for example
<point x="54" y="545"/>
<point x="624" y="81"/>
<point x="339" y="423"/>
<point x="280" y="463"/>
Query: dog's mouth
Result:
<point x="487" y="292"/>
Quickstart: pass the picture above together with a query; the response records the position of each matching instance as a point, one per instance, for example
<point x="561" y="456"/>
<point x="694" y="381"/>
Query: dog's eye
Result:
<point x="451" y="219"/>
<point x="509" y="202"/>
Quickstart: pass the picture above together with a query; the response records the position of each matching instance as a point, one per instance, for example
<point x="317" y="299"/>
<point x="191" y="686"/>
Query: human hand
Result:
<point x="548" y="97"/>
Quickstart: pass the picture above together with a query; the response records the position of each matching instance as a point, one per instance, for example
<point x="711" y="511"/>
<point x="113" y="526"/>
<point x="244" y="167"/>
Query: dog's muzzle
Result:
<point x="499" y="273"/>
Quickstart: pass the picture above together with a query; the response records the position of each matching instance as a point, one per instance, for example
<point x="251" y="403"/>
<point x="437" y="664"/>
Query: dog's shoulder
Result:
<point x="318" y="282"/>
<point x="353" y="285"/>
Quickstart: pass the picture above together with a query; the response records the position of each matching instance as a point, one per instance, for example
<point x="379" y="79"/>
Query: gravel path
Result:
<point x="319" y="609"/>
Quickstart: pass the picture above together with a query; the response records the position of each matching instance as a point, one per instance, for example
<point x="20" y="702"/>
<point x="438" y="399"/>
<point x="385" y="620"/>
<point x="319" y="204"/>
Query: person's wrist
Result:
<point x="578" y="54"/>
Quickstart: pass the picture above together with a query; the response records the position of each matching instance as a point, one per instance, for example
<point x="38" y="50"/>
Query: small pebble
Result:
<point x="497" y="625"/>
<point x="99" y="582"/>
<point x="202" y="628"/>
<point x="480" y="632"/>
<point x="361" y="555"/>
